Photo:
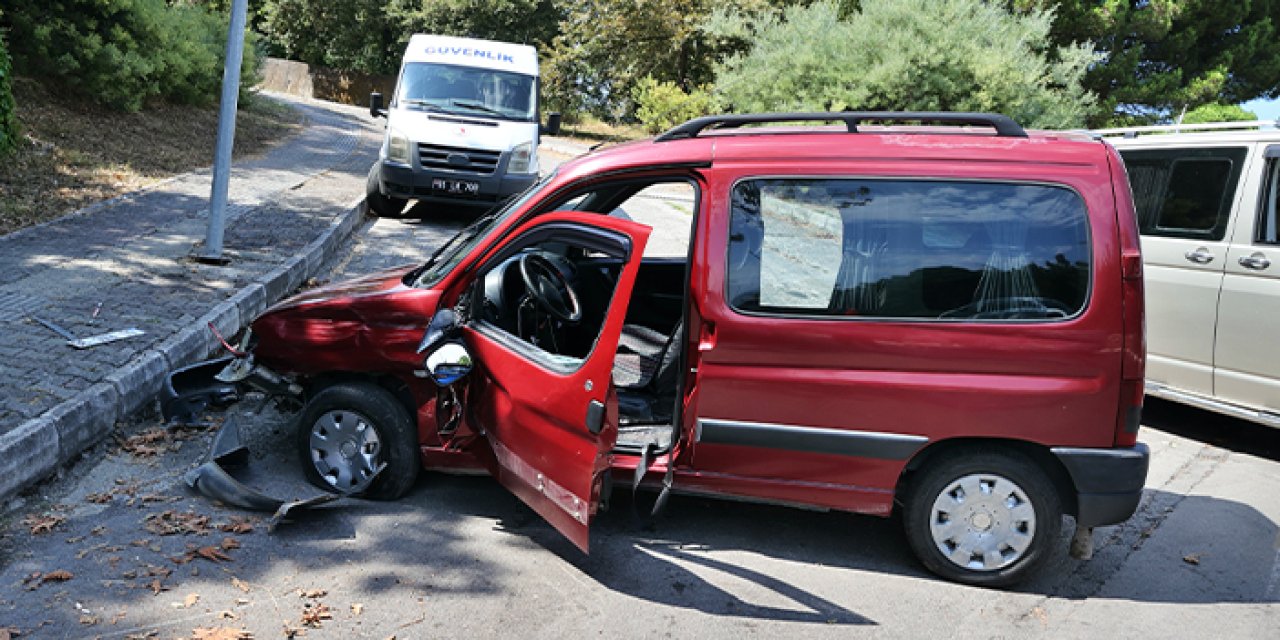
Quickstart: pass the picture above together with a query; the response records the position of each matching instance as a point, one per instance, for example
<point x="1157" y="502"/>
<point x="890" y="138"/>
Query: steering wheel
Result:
<point x="549" y="288"/>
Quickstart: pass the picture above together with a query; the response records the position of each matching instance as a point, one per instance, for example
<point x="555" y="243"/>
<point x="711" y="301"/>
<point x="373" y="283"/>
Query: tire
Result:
<point x="361" y="425"/>
<point x="1014" y="521"/>
<point x="381" y="205"/>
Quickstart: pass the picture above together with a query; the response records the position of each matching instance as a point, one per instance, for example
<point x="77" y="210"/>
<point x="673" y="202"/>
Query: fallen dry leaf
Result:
<point x="190" y="600"/>
<point x="8" y="633"/>
<point x="99" y="498"/>
<point x="220" y="633"/>
<point x="357" y="608"/>
<point x="168" y="523"/>
<point x="314" y="614"/>
<point x="212" y="554"/>
<point x="230" y="543"/>
<point x="61" y="575"/>
<point x="156" y="587"/>
<point x="98" y="530"/>
<point x="1191" y="558"/>
<point x="42" y="524"/>
<point x="312" y="593"/>
<point x="237" y="524"/>
<point x="88" y="621"/>
<point x="293" y="632"/>
<point x="145" y="635"/>
<point x="240" y="584"/>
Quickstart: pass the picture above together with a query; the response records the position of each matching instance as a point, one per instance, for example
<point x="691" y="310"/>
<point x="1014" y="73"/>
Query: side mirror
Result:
<point x="449" y="364"/>
<point x="375" y="105"/>
<point x="552" y="128"/>
<point x="443" y="327"/>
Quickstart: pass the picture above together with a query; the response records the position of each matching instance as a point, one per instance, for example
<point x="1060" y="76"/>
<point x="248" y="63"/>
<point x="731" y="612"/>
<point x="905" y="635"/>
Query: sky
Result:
<point x="1266" y="109"/>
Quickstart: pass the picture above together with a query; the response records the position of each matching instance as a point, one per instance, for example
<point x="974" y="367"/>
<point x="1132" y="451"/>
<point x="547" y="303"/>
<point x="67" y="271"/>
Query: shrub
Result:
<point x="121" y="53"/>
<point x="8" y="119"/>
<point x="662" y="105"/>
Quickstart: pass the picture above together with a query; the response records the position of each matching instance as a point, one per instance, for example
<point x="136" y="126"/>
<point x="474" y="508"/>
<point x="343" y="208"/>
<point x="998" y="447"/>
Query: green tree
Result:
<point x="8" y="117"/>
<point x="122" y="53"/>
<point x="1158" y="56"/>
<point x="1214" y="112"/>
<point x="605" y="47"/>
<point x="533" y="22"/>
<point x="355" y="35"/>
<point x="927" y="55"/>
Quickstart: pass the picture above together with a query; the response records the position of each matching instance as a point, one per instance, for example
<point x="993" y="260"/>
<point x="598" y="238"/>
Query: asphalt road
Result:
<point x="460" y="557"/>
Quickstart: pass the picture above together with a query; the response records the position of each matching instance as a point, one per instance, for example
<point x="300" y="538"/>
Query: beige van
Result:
<point x="1206" y="202"/>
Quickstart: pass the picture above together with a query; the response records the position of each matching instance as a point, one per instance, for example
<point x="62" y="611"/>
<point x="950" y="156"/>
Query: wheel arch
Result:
<point x="1039" y="454"/>
<point x="397" y="387"/>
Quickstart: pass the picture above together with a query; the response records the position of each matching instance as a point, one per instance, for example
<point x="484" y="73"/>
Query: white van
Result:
<point x="463" y="125"/>
<point x="1206" y="201"/>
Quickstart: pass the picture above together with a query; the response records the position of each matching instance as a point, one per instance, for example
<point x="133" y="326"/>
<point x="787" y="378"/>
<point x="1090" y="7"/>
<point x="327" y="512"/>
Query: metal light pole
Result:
<point x="226" y="133"/>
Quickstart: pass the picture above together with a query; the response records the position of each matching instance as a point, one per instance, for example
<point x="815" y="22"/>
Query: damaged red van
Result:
<point x="938" y="314"/>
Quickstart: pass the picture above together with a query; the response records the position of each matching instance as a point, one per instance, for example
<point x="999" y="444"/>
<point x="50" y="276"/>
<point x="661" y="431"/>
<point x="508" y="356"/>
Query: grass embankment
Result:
<point x="71" y="154"/>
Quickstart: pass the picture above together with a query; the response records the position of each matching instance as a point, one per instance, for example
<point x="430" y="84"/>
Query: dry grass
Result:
<point x="589" y="130"/>
<point x="73" y="154"/>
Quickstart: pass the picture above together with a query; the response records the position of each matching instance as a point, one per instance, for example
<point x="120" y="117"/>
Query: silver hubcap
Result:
<point x="982" y="522"/>
<point x="344" y="450"/>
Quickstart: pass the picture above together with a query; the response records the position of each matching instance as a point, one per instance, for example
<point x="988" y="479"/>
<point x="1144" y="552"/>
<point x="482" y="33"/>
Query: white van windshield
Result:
<point x="468" y="91"/>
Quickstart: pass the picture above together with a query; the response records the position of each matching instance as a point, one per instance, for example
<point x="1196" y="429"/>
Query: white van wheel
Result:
<point x="381" y="205"/>
<point x="984" y="518"/>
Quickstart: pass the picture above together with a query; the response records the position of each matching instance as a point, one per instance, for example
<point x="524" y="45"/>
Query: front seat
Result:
<point x="645" y="371"/>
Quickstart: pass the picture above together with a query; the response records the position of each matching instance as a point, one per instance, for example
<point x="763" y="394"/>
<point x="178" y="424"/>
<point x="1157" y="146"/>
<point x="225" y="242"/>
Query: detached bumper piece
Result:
<point x="213" y="481"/>
<point x="192" y="389"/>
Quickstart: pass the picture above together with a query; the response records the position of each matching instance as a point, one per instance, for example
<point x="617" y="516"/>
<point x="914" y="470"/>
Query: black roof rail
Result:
<point x="1004" y="125"/>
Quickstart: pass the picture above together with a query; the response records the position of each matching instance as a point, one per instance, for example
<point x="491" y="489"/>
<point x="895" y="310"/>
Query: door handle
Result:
<point x="1199" y="256"/>
<point x="1257" y="262"/>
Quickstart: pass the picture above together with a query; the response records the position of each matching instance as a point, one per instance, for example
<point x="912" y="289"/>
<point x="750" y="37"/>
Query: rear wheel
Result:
<point x="347" y="431"/>
<point x="381" y="205"/>
<point x="987" y="519"/>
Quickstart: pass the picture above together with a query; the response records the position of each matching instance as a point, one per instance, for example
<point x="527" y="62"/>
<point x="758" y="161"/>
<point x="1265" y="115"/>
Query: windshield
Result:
<point x="460" y="245"/>
<point x="468" y="91"/>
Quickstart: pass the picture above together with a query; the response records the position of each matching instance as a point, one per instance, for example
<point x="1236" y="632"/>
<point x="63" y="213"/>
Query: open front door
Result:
<point x="548" y="309"/>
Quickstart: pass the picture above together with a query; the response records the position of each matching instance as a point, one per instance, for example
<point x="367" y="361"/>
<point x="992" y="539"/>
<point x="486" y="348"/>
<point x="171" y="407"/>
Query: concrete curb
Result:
<point x="39" y="446"/>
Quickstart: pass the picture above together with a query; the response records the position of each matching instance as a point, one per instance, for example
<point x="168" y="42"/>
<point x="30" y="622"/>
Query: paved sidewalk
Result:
<point x="289" y="212"/>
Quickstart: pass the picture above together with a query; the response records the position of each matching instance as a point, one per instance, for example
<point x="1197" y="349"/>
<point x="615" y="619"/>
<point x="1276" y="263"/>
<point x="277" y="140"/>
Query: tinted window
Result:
<point x="1184" y="193"/>
<point x="1269" y="215"/>
<point x="907" y="249"/>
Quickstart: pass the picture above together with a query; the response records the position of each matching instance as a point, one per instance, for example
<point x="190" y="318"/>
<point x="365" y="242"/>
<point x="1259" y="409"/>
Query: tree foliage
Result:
<point x="1158" y="56"/>
<point x="355" y="35"/>
<point x="606" y="47"/>
<point x="8" y="117"/>
<point x="122" y="53"/>
<point x="1214" y="112"/>
<point x="927" y="55"/>
<point x="662" y="105"/>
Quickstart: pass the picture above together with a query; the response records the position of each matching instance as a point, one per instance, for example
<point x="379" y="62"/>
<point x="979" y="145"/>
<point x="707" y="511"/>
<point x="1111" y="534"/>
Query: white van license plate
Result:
<point x="455" y="187"/>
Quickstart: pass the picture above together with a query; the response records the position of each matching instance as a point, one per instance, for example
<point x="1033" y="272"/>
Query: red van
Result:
<point x="943" y="320"/>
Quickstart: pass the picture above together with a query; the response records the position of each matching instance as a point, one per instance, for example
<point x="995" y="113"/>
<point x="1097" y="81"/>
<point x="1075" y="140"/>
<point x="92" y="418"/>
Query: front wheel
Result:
<point x="347" y="431"/>
<point x="983" y="518"/>
<point x="379" y="204"/>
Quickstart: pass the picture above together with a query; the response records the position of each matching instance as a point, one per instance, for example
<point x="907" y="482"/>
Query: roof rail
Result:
<point x="1133" y="132"/>
<point x="1004" y="125"/>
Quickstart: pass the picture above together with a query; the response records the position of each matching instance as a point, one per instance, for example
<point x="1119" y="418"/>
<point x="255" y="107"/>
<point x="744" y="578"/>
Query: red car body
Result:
<point x="823" y="412"/>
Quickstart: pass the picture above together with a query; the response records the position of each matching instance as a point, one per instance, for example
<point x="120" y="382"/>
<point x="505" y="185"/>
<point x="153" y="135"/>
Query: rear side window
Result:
<point x="908" y="249"/>
<point x="1268" y="227"/>
<point x="1184" y="193"/>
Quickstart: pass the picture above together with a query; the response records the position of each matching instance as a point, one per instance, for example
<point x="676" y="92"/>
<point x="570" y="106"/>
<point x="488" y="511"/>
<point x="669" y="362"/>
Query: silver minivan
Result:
<point x="1206" y="202"/>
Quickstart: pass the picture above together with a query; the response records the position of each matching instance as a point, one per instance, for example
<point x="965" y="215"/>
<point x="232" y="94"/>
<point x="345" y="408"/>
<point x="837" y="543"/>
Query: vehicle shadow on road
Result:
<point x="1216" y="429"/>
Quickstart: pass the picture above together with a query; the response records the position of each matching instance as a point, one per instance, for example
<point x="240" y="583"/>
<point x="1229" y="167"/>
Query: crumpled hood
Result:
<point x="374" y="283"/>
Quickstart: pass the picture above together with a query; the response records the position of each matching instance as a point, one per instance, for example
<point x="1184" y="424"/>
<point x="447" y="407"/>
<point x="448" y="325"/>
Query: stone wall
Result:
<point x="301" y="79"/>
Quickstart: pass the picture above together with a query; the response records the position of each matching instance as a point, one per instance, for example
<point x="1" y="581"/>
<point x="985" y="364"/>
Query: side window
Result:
<point x="908" y="249"/>
<point x="1269" y="214"/>
<point x="1184" y="193"/>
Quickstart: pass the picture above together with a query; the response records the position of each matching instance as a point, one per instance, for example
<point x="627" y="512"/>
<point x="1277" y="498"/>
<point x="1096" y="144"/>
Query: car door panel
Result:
<point x="1246" y="353"/>
<point x="550" y="424"/>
